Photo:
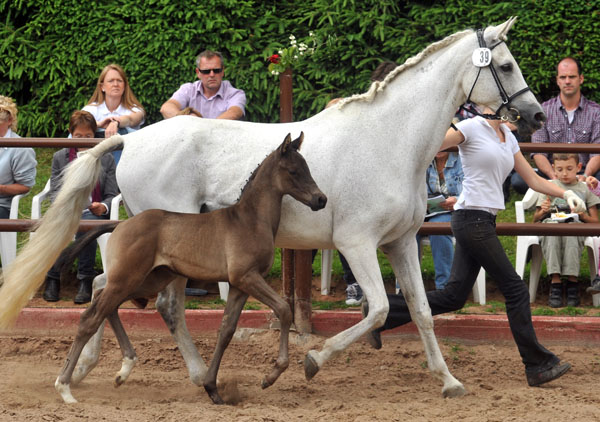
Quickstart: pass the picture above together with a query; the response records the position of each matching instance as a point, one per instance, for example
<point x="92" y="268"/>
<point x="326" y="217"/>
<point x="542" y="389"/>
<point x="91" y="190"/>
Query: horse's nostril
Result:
<point x="540" y="117"/>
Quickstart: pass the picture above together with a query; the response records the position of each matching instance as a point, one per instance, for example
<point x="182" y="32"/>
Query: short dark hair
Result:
<point x="82" y="118"/>
<point x="209" y="54"/>
<point x="579" y="70"/>
<point x="564" y="156"/>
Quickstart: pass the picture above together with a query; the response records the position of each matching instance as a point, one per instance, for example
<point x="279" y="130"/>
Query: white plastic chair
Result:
<point x="36" y="213"/>
<point x="8" y="240"/>
<point x="327" y="258"/>
<point x="532" y="243"/>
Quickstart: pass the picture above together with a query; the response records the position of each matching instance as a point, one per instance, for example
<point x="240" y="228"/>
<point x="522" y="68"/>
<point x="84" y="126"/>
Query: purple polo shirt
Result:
<point x="585" y="128"/>
<point x="190" y="95"/>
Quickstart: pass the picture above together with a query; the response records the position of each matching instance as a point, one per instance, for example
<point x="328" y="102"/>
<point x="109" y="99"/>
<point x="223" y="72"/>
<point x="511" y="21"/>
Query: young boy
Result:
<point x="563" y="253"/>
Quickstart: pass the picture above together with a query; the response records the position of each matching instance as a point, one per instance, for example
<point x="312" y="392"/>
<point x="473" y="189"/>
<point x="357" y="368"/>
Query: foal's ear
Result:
<point x="286" y="144"/>
<point x="297" y="143"/>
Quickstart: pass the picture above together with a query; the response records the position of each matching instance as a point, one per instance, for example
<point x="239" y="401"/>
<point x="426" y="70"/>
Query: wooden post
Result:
<point x="296" y="265"/>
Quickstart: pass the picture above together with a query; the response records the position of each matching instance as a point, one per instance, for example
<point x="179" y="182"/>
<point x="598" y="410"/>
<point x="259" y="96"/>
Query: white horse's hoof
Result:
<point x="126" y="368"/>
<point x="65" y="392"/>
<point x="311" y="365"/>
<point x="456" y="390"/>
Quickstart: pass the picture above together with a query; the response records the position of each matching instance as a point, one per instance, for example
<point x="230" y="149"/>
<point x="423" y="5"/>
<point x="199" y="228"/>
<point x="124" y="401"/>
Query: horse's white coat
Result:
<point x="368" y="155"/>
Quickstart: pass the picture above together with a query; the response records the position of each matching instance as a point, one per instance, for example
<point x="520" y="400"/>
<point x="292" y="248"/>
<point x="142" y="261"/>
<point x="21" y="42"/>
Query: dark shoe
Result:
<point x="556" y="296"/>
<point x="542" y="377"/>
<point x="84" y="294"/>
<point x="354" y="295"/>
<point x="52" y="290"/>
<point x="595" y="287"/>
<point x="374" y="336"/>
<point x="573" y="294"/>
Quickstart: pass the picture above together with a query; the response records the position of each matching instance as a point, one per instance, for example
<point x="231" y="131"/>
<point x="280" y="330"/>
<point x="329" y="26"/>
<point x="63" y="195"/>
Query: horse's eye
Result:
<point x="506" y="67"/>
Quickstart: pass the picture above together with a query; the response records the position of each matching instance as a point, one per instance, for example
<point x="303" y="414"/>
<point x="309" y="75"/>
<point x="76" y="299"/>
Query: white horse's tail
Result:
<point x="56" y="229"/>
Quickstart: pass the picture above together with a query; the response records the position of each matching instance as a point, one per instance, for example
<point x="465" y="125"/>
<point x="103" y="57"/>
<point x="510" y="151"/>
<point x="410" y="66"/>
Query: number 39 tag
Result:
<point x="482" y="57"/>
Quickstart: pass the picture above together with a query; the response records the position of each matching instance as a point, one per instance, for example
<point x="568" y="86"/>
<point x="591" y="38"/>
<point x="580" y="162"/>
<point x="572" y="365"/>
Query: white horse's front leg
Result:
<point x="171" y="306"/>
<point x="365" y="268"/>
<point x="404" y="259"/>
<point x="91" y="352"/>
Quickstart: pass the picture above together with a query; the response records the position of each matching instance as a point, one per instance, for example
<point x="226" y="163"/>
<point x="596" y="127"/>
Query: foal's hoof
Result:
<point x="213" y="393"/>
<point x="310" y="366"/>
<point x="265" y="383"/>
<point x="454" y="391"/>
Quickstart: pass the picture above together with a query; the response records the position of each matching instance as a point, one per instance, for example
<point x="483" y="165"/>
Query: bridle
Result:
<point x="506" y="99"/>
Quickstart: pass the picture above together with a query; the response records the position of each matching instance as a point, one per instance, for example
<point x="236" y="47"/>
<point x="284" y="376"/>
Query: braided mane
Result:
<point x="378" y="86"/>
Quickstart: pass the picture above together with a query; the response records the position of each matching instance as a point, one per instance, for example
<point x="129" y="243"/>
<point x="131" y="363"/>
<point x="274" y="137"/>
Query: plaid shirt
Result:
<point x="585" y="127"/>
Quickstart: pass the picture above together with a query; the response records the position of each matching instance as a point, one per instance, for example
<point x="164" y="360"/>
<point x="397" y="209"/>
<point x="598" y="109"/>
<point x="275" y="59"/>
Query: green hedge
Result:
<point x="51" y="52"/>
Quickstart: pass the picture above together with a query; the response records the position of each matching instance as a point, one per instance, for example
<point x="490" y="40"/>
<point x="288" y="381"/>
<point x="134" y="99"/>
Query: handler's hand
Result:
<point x="575" y="202"/>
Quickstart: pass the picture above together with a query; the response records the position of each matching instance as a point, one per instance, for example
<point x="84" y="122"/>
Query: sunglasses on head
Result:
<point x="207" y="71"/>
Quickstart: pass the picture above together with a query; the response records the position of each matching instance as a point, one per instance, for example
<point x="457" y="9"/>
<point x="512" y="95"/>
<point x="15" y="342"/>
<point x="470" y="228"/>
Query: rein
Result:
<point x="506" y="99"/>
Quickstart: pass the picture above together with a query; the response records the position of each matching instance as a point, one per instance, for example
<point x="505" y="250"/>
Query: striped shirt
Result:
<point x="584" y="129"/>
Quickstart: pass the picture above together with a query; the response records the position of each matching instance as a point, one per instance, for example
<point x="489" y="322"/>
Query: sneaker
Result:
<point x="542" y="377"/>
<point x="556" y="296"/>
<point x="595" y="287"/>
<point x="373" y="336"/>
<point x="354" y="295"/>
<point x="573" y="294"/>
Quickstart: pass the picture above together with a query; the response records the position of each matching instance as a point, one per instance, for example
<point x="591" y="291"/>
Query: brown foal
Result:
<point x="147" y="251"/>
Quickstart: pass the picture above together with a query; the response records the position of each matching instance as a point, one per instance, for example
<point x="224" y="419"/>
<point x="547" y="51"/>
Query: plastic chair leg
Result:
<point x="479" y="288"/>
<point x="223" y="290"/>
<point x="326" y="263"/>
<point x="534" y="272"/>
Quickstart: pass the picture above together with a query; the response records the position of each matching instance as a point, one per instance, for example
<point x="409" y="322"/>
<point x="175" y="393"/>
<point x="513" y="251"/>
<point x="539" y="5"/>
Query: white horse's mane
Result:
<point x="378" y="86"/>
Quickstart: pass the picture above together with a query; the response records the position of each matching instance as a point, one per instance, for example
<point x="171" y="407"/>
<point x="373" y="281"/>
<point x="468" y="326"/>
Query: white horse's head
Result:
<point x="506" y="92"/>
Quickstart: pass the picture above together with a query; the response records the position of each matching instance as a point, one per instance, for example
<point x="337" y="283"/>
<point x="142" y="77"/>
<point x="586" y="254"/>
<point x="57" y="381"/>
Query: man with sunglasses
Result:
<point x="210" y="96"/>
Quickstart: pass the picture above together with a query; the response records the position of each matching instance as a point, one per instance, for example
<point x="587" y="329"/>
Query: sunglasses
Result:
<point x="207" y="71"/>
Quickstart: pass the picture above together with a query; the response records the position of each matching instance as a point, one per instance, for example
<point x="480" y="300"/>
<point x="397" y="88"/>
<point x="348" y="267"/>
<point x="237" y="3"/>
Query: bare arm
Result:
<point x="453" y="138"/>
<point x="592" y="166"/>
<point x="542" y="163"/>
<point x="130" y="120"/>
<point x="232" y="113"/>
<point x="14" y="189"/>
<point x="535" y="182"/>
<point x="170" y="108"/>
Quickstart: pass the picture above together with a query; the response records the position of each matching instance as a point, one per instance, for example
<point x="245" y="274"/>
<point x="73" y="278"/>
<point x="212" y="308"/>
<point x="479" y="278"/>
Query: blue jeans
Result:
<point x="87" y="257"/>
<point x="478" y="245"/>
<point x="442" y="251"/>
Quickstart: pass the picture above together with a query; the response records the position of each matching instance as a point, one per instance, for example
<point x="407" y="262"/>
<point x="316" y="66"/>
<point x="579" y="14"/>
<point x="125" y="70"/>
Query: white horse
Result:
<point x="369" y="155"/>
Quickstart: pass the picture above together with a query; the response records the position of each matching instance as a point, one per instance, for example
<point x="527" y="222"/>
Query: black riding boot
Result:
<point x="52" y="290"/>
<point x="84" y="294"/>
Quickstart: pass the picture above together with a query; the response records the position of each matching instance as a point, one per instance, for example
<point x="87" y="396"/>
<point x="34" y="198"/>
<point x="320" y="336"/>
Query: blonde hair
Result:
<point x="8" y="110"/>
<point x="128" y="99"/>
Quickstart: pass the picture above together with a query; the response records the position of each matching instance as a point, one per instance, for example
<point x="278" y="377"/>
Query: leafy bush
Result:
<point x="52" y="52"/>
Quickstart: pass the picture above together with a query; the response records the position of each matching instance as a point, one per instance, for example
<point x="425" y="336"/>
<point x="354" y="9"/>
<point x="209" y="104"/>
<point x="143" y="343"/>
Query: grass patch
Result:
<point x="327" y="306"/>
<point x="571" y="311"/>
<point x="543" y="311"/>
<point x="495" y="307"/>
<point x="252" y="306"/>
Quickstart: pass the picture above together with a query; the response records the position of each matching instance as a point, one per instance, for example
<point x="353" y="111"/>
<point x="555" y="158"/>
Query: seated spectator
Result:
<point x="82" y="125"/>
<point x="594" y="187"/>
<point x="563" y="253"/>
<point x="114" y="105"/>
<point x="210" y="96"/>
<point x="17" y="165"/>
<point x="444" y="178"/>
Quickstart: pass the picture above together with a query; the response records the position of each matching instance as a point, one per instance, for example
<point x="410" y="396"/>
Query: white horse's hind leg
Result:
<point x="365" y="268"/>
<point x="91" y="352"/>
<point x="404" y="259"/>
<point x="170" y="305"/>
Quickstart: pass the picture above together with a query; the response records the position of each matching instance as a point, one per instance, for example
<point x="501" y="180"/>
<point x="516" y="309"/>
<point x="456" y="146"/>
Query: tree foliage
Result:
<point x="51" y="52"/>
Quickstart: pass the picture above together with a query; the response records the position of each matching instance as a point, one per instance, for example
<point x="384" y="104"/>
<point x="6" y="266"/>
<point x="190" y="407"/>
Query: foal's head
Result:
<point x="293" y="177"/>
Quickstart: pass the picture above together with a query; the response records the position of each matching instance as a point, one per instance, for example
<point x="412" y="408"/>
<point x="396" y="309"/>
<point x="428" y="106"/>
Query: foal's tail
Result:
<point x="25" y="275"/>
<point x="68" y="256"/>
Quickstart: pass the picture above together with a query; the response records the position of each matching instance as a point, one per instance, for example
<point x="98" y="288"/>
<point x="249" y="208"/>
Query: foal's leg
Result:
<point x="91" y="319"/>
<point x="91" y="352"/>
<point x="129" y="357"/>
<point x="257" y="287"/>
<point x="404" y="259"/>
<point x="171" y="306"/>
<point x="235" y="303"/>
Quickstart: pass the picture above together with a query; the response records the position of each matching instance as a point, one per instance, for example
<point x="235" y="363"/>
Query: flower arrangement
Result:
<point x="288" y="57"/>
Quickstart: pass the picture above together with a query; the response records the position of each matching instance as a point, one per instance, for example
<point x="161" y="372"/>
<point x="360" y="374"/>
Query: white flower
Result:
<point x="280" y="52"/>
<point x="274" y="72"/>
<point x="302" y="46"/>
<point x="295" y="56"/>
<point x="311" y="34"/>
<point x="292" y="37"/>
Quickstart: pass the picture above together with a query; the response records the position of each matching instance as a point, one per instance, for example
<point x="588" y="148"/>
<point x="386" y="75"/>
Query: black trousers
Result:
<point x="477" y="245"/>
